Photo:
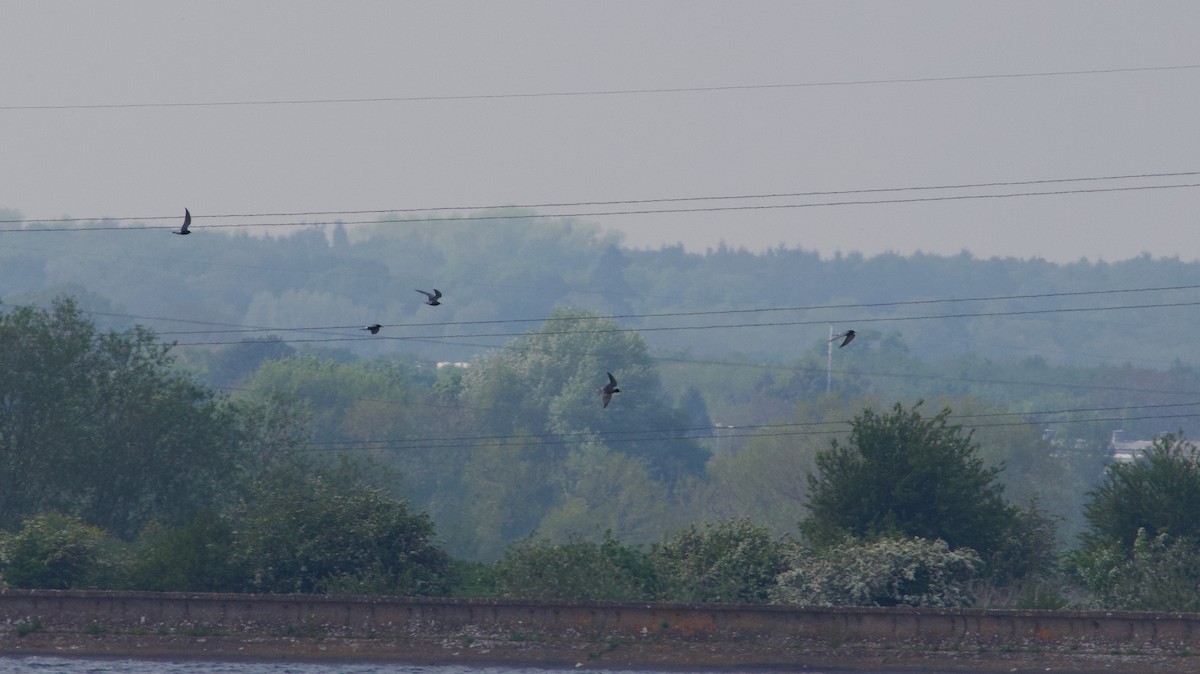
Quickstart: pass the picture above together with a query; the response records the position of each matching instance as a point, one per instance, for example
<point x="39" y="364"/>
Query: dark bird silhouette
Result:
<point x="372" y="328"/>
<point x="433" y="297"/>
<point x="849" y="335"/>
<point x="609" y="389"/>
<point x="187" y="222"/>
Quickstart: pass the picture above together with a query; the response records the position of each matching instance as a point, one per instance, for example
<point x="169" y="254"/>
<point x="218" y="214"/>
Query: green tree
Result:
<point x="103" y="424"/>
<point x="765" y="480"/>
<point x="577" y="570"/>
<point x="546" y="383"/>
<point x="235" y="362"/>
<point x="325" y="534"/>
<point x="1142" y="544"/>
<point x="196" y="557"/>
<point x="604" y="490"/>
<point x="1158" y="573"/>
<point x="731" y="561"/>
<point x="52" y="551"/>
<point x="1158" y="493"/>
<point x="511" y="487"/>
<point x="886" y="572"/>
<point x="903" y="474"/>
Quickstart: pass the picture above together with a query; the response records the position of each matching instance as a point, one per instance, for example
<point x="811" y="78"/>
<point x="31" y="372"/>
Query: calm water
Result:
<point x="51" y="665"/>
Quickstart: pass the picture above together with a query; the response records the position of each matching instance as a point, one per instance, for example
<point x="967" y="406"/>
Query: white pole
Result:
<point x="829" y="361"/>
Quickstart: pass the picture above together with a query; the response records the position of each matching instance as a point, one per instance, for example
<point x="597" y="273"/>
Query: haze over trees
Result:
<point x="184" y="443"/>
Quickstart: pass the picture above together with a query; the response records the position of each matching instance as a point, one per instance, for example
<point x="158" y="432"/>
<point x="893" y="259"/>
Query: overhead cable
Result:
<point x="593" y="92"/>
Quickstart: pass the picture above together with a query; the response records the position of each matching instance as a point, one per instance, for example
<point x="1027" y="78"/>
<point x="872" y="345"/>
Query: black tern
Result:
<point x="433" y="297"/>
<point x="609" y="389"/>
<point x="187" y="222"/>
<point x="849" y="335"/>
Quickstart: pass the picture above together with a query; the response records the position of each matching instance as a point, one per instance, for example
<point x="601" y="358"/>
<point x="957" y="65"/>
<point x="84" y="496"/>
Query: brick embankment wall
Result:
<point x="648" y="635"/>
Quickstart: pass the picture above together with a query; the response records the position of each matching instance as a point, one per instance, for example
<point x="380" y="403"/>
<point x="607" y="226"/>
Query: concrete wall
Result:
<point x="238" y="614"/>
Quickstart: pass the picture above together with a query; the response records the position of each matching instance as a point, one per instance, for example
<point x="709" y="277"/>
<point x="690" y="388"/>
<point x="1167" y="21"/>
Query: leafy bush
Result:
<point x="1159" y="493"/>
<point x="1158" y="574"/>
<point x="104" y="425"/>
<point x="729" y="561"/>
<point x="193" y="558"/>
<point x="578" y="569"/>
<point x="52" y="551"/>
<point x="888" y="572"/>
<point x="904" y="475"/>
<point x="325" y="535"/>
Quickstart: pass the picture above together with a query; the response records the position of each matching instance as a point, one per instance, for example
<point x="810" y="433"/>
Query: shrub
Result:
<point x="52" y="551"/>
<point x="577" y="569"/>
<point x="730" y="561"/>
<point x="1159" y="573"/>
<point x="888" y="572"/>
<point x="193" y="558"/>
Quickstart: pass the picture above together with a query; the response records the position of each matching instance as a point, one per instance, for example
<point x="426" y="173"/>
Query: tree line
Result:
<point x="366" y="274"/>
<point x="123" y="472"/>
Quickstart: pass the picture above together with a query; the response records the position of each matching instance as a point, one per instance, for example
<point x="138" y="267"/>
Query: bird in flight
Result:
<point x="849" y="335"/>
<point x="187" y="222"/>
<point x="609" y="389"/>
<point x="433" y="297"/>
<point x="372" y="328"/>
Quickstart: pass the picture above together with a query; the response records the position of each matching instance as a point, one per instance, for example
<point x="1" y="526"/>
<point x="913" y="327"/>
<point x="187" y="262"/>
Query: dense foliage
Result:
<point x="1160" y="494"/>
<point x="903" y="474"/>
<point x="1156" y="573"/>
<point x="730" y="561"/>
<point x="577" y="569"/>
<point x="1141" y="550"/>
<point x="315" y="536"/>
<point x="52" y="551"/>
<point x="101" y="424"/>
<point x="885" y="572"/>
<point x="324" y="472"/>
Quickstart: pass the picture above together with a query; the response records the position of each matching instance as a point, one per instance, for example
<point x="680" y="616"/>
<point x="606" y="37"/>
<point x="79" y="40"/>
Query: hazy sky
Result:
<point x="492" y="148"/>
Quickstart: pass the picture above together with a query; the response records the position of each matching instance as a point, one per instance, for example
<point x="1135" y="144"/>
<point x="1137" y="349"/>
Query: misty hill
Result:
<point x="514" y="271"/>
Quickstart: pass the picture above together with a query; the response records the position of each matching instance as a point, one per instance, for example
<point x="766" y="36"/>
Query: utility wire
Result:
<point x="550" y="440"/>
<point x="625" y="202"/>
<point x="778" y="366"/>
<point x="712" y="429"/>
<point x="675" y="314"/>
<point x="883" y="319"/>
<point x="593" y="92"/>
<point x="857" y="373"/>
<point x="591" y="214"/>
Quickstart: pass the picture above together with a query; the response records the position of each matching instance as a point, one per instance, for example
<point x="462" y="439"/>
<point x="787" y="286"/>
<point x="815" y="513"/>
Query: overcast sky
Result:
<point x="470" y="142"/>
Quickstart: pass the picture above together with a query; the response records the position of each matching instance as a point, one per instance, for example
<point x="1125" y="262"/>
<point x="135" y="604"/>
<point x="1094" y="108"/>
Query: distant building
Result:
<point x="1127" y="451"/>
<point x="447" y="363"/>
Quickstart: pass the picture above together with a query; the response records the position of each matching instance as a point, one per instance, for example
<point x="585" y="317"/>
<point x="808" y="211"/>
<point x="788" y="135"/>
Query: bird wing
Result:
<point x="849" y="337"/>
<point x="437" y="294"/>
<point x="607" y="397"/>
<point x="612" y="381"/>
<point x="187" y="220"/>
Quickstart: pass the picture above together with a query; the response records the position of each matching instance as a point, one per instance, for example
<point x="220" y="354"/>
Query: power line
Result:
<point x="663" y="211"/>
<point x="862" y="373"/>
<point x="593" y="92"/>
<point x="610" y="437"/>
<point x="778" y="366"/>
<point x="623" y="202"/>
<point x="881" y="319"/>
<point x="676" y="314"/>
